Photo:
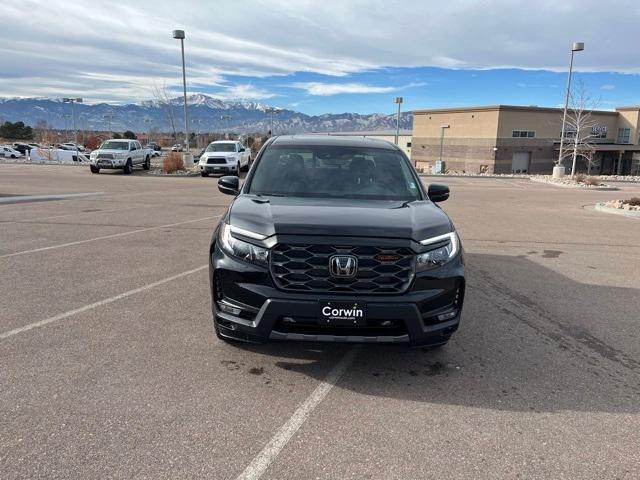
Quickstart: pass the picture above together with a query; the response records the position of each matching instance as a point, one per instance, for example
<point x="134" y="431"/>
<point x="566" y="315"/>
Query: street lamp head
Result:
<point x="178" y="34"/>
<point x="398" y="100"/>
<point x="78" y="100"/>
<point x="66" y="100"/>
<point x="577" y="46"/>
<point x="444" y="125"/>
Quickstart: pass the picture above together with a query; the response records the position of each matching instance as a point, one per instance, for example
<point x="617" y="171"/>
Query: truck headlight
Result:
<point x="441" y="254"/>
<point x="243" y="250"/>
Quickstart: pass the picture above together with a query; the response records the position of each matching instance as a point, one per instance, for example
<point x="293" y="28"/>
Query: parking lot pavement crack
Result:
<point x="513" y="303"/>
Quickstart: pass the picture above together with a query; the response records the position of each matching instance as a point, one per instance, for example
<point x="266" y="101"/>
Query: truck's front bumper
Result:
<point x="108" y="163"/>
<point x="247" y="306"/>
<point x="218" y="168"/>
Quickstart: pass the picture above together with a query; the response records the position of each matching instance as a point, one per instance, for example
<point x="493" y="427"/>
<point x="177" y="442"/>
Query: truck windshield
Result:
<point x="221" y="147"/>
<point x="110" y="145"/>
<point x="334" y="172"/>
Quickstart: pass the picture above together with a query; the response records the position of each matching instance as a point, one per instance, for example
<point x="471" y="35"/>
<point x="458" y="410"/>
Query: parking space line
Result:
<point x="104" y="237"/>
<point x="268" y="454"/>
<point x="99" y="303"/>
<point x="510" y="183"/>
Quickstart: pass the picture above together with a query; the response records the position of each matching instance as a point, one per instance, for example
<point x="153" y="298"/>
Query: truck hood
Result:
<point x="416" y="220"/>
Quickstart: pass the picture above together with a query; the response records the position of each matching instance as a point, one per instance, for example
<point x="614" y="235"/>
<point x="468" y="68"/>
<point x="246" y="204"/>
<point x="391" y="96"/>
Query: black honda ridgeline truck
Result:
<point x="335" y="239"/>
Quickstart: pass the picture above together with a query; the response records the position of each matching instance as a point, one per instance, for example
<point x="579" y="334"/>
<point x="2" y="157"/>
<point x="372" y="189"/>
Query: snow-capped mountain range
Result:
<point x="206" y="114"/>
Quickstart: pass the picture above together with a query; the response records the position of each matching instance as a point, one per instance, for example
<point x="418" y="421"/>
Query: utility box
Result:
<point x="439" y="167"/>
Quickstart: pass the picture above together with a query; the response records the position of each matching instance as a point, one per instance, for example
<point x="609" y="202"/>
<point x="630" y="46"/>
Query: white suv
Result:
<point x="124" y="154"/>
<point x="224" y="156"/>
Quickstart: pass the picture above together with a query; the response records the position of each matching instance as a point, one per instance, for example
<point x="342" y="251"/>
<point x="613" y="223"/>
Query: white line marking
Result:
<point x="100" y="303"/>
<point x="114" y="235"/>
<point x="271" y="450"/>
<point x="510" y="183"/>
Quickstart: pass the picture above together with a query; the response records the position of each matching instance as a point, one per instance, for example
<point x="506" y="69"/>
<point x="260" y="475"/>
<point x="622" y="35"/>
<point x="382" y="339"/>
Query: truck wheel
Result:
<point x="128" y="168"/>
<point x="147" y="163"/>
<point x="94" y="169"/>
<point x="204" y="174"/>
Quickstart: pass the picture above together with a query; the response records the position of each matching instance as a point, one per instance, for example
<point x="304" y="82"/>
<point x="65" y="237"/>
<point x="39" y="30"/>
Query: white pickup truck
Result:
<point x="224" y="156"/>
<point x="124" y="154"/>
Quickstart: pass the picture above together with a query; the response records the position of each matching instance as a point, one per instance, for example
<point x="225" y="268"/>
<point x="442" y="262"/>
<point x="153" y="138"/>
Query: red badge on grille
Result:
<point x="387" y="257"/>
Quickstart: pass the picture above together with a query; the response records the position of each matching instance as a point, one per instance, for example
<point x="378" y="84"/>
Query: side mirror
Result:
<point x="241" y="149"/>
<point x="229" y="185"/>
<point x="437" y="192"/>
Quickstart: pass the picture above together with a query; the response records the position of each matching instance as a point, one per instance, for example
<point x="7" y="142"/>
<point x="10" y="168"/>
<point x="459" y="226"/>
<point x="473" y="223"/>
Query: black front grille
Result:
<point x="216" y="161"/>
<point x="304" y="268"/>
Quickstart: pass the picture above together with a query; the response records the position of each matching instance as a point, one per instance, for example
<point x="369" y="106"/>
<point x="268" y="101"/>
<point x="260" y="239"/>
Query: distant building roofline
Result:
<point x="387" y="133"/>
<point x="517" y="108"/>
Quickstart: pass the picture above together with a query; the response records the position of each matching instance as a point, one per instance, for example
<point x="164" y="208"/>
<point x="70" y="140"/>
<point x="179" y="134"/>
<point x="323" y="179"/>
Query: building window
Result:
<point x="523" y="134"/>
<point x="408" y="144"/>
<point x="624" y="135"/>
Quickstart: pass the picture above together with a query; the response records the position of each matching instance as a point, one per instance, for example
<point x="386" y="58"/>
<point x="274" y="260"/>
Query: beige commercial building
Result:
<point x="506" y="139"/>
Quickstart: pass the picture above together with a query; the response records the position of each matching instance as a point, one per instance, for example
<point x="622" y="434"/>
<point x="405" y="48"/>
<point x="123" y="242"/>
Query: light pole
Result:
<point x="198" y="122"/>
<point x="228" y="119"/>
<point x="271" y="110"/>
<point x="108" y="118"/>
<point x="442" y="129"/>
<point x="179" y="35"/>
<point x="575" y="47"/>
<point x="398" y="100"/>
<point x="73" y="101"/>
<point x="147" y="122"/>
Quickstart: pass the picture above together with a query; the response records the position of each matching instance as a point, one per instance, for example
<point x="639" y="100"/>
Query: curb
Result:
<point x="617" y="211"/>
<point x="605" y="188"/>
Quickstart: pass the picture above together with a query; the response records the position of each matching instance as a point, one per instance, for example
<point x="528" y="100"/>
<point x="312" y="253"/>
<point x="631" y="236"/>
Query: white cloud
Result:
<point x="116" y="50"/>
<point x="608" y="87"/>
<point x="246" y="92"/>
<point x="325" y="89"/>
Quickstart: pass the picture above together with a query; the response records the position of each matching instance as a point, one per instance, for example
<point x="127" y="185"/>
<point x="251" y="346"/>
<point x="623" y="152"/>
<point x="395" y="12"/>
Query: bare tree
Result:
<point x="163" y="99"/>
<point x="581" y="128"/>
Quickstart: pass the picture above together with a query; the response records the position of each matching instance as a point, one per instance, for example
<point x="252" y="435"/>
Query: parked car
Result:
<point x="71" y="146"/>
<point x="335" y="239"/>
<point x="9" y="152"/>
<point x="177" y="148"/>
<point x="154" y="149"/>
<point x="224" y="156"/>
<point x="196" y="156"/>
<point x="56" y="155"/>
<point x="124" y="154"/>
<point x="23" y="148"/>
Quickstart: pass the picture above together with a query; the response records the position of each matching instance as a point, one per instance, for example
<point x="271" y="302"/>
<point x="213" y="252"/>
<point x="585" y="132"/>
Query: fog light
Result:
<point x="225" y="307"/>
<point x="447" y="315"/>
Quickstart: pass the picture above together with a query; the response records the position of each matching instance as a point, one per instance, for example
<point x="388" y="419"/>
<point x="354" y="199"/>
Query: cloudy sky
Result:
<point x="321" y="56"/>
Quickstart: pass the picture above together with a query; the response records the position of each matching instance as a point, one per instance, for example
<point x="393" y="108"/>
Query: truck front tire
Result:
<point x="128" y="167"/>
<point x="94" y="169"/>
<point x="147" y="163"/>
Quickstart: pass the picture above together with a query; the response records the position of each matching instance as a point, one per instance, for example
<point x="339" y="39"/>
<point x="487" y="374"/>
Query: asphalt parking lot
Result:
<point x="109" y="367"/>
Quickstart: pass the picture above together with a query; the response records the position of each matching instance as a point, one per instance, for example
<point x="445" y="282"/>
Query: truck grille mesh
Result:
<point x="305" y="268"/>
<point x="216" y="161"/>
